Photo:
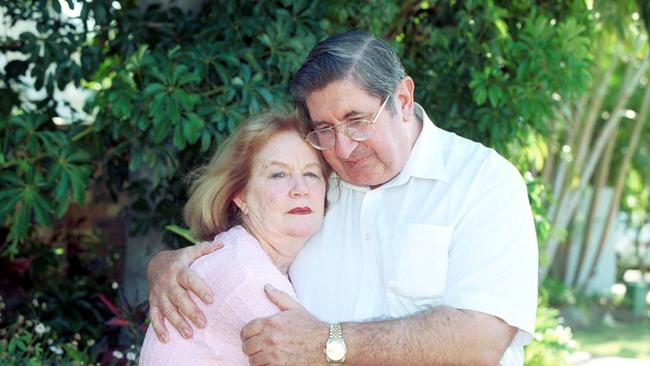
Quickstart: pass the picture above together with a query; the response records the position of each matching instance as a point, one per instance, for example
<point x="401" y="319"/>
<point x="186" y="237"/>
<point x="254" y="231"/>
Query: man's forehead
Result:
<point x="340" y="100"/>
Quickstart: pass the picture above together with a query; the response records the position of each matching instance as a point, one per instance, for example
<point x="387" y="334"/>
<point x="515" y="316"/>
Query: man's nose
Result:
<point x="344" y="145"/>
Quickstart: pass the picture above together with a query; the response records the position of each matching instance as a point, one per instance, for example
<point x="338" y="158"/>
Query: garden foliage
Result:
<point x="167" y="87"/>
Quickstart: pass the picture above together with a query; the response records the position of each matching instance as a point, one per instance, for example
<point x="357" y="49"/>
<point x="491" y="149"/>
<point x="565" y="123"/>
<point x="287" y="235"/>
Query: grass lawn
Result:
<point x="631" y="340"/>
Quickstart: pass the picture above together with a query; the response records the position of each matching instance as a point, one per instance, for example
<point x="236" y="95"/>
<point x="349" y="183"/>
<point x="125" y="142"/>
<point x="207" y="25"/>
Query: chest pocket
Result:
<point x="421" y="265"/>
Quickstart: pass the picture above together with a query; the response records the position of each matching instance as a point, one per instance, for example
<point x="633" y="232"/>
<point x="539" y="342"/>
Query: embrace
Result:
<point x="423" y="253"/>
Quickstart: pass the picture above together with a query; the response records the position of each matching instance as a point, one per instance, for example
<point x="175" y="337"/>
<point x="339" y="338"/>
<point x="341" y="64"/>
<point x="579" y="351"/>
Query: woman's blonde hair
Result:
<point x="213" y="187"/>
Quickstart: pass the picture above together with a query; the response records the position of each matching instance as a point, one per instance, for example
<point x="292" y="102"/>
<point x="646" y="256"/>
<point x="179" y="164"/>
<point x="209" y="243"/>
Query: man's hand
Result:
<point x="170" y="281"/>
<point x="291" y="337"/>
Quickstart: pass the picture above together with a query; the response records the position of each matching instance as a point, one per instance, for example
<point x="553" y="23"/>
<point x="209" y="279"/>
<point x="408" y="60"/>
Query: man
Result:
<point x="427" y="254"/>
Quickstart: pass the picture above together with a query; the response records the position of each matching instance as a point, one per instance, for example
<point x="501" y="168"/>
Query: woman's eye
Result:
<point x="278" y="175"/>
<point x="312" y="175"/>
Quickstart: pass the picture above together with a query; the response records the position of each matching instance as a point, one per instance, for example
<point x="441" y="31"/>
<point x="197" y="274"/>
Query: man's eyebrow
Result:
<point x="348" y="115"/>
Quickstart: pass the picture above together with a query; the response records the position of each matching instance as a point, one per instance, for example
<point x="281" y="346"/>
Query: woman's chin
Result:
<point x="303" y="231"/>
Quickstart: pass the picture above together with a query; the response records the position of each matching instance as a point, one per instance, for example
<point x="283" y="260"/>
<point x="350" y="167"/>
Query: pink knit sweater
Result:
<point x="237" y="274"/>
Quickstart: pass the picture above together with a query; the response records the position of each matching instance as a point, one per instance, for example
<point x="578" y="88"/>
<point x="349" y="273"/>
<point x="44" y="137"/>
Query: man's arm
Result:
<point x="170" y="281"/>
<point x="440" y="336"/>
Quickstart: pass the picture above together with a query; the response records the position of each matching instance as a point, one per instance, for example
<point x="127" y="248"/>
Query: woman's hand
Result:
<point x="170" y="281"/>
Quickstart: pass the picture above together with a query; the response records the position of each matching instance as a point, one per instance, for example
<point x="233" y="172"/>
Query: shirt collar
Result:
<point x="426" y="158"/>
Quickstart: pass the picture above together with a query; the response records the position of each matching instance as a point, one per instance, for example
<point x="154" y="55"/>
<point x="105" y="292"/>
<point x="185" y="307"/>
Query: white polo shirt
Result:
<point x="454" y="228"/>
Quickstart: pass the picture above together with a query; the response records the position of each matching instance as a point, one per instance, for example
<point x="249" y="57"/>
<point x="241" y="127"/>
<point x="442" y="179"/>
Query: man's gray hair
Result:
<point x="355" y="55"/>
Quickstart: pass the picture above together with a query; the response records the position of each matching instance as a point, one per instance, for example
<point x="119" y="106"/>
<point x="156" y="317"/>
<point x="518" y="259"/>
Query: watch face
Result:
<point x="335" y="351"/>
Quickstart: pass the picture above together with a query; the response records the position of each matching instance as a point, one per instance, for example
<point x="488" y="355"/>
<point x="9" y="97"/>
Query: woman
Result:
<point x="263" y="193"/>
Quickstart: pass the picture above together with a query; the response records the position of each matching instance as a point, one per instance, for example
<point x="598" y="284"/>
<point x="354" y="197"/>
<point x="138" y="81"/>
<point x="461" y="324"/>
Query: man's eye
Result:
<point x="323" y="128"/>
<point x="357" y="122"/>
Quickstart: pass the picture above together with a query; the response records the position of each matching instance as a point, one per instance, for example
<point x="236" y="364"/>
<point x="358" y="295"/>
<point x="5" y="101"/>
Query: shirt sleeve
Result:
<point x="493" y="257"/>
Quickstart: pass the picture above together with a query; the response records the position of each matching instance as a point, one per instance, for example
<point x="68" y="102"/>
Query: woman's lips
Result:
<point x="300" y="211"/>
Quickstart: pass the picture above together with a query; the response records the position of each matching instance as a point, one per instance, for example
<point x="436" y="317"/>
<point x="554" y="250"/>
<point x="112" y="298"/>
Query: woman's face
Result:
<point x="285" y="195"/>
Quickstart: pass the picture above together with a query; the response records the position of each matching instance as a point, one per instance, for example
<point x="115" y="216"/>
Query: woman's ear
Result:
<point x="241" y="203"/>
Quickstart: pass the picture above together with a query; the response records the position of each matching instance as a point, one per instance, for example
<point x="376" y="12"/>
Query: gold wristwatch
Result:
<point x="335" y="349"/>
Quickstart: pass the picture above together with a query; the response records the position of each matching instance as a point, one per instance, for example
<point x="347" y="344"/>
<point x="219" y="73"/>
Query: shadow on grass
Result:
<point x="629" y="339"/>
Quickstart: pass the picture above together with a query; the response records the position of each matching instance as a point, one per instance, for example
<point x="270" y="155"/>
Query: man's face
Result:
<point x="377" y="160"/>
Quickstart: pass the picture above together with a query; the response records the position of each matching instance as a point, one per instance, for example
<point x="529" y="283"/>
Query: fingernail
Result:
<point x="209" y="298"/>
<point x="268" y="287"/>
<point x="200" y="322"/>
<point x="164" y="338"/>
<point x="186" y="333"/>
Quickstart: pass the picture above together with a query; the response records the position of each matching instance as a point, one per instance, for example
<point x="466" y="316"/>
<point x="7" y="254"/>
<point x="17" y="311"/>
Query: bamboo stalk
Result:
<point x="586" y="128"/>
<point x="620" y="181"/>
<point x="601" y="180"/>
<point x="571" y="197"/>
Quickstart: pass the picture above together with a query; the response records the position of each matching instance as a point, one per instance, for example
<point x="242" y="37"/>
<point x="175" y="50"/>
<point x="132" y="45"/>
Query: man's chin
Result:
<point x="362" y="179"/>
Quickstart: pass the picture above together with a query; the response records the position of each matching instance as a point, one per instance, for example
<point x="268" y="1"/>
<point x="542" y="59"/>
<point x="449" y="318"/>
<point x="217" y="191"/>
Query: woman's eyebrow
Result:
<point x="275" y="162"/>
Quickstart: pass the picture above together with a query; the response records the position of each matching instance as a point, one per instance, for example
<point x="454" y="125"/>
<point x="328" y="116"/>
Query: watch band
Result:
<point x="335" y="339"/>
<point x="335" y="331"/>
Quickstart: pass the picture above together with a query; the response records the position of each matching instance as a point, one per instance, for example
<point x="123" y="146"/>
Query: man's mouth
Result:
<point x="356" y="161"/>
<point x="300" y="211"/>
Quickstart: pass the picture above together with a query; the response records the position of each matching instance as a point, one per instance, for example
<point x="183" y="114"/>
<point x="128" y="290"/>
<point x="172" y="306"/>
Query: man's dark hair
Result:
<point x="356" y="55"/>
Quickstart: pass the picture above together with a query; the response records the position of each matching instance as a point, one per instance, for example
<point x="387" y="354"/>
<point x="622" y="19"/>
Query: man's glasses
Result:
<point x="357" y="130"/>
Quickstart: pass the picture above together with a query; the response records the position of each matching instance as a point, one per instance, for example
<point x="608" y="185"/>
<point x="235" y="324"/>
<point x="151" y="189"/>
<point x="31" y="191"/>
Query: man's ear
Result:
<point x="404" y="96"/>
<point x="241" y="203"/>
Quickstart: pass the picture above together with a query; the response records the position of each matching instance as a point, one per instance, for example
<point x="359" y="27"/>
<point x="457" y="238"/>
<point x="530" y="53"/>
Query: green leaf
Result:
<point x="494" y="95"/>
<point x="480" y="95"/>
<point x="142" y="122"/>
<point x="178" y="72"/>
<point x="8" y="203"/>
<point x="223" y="74"/>
<point x="155" y="108"/>
<point x="21" y="223"/>
<point x="152" y="89"/>
<point x="79" y="156"/>
<point x="192" y="127"/>
<point x="179" y="140"/>
<point x="502" y="27"/>
<point x="62" y="187"/>
<point x="237" y="81"/>
<point x="205" y="141"/>
<point x="185" y="100"/>
<point x="78" y="185"/>
<point x="62" y="207"/>
<point x="188" y="78"/>
<point x="135" y="161"/>
<point x="182" y="232"/>
<point x="42" y="210"/>
<point x="266" y="95"/>
<point x="174" y="111"/>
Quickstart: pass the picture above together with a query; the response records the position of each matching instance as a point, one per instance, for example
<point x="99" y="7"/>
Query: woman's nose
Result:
<point x="299" y="187"/>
